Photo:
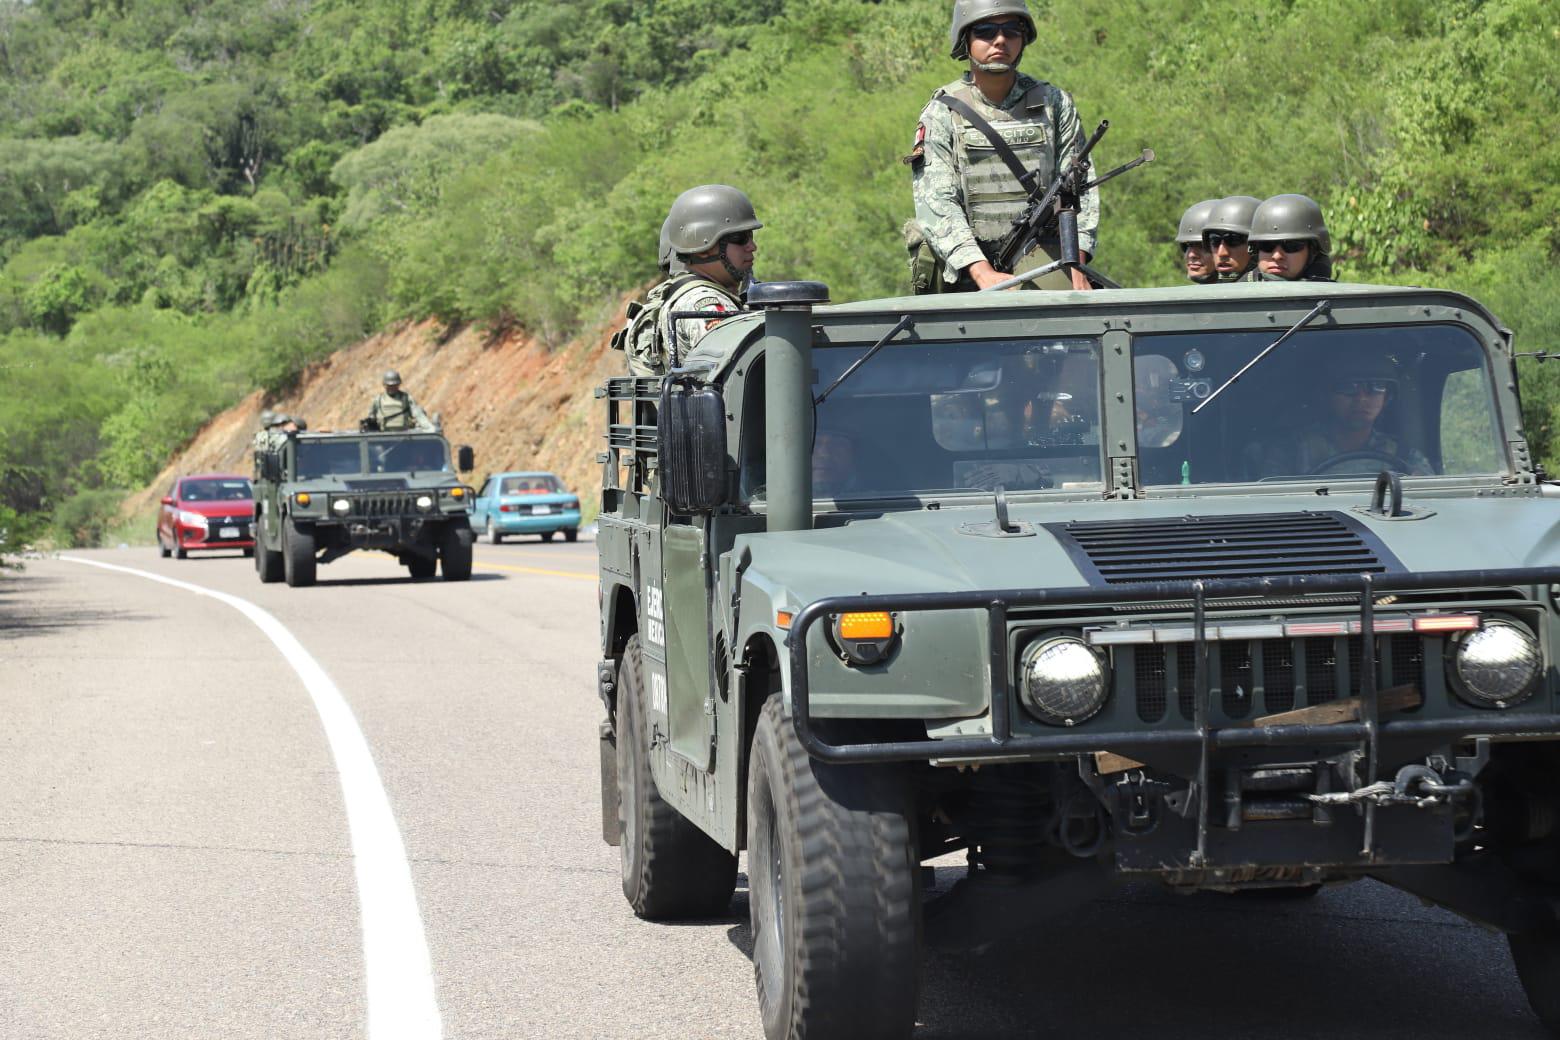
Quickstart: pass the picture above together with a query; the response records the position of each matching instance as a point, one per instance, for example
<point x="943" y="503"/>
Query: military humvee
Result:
<point x="318" y="496"/>
<point x="1080" y="587"/>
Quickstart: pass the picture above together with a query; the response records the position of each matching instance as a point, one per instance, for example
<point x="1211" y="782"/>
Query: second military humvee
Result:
<point x="319" y="496"/>
<point x="1080" y="587"/>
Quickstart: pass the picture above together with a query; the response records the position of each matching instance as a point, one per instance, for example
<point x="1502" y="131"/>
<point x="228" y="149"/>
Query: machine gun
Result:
<point x="1057" y="207"/>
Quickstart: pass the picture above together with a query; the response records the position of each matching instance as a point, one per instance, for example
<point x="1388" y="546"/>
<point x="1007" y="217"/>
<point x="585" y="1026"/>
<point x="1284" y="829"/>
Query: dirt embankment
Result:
<point x="518" y="404"/>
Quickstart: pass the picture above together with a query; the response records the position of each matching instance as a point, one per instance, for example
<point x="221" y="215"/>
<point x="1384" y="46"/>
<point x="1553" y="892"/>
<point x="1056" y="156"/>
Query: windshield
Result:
<point x="534" y="484"/>
<point x="235" y="490"/>
<point x="966" y="416"/>
<point x="1329" y="402"/>
<point x="416" y="454"/>
<point x="328" y="458"/>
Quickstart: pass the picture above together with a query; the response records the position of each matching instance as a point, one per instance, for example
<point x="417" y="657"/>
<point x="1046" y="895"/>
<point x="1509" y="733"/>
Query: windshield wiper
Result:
<point x="905" y="322"/>
<point x="1319" y="309"/>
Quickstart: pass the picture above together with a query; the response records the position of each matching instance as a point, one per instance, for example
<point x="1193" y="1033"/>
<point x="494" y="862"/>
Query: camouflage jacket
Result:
<point x="1315" y="446"/>
<point x="398" y="411"/>
<point x="700" y="294"/>
<point x="965" y="196"/>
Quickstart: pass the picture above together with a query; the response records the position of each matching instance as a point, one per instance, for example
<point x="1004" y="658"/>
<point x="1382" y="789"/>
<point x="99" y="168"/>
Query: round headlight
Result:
<point x="341" y="506"/>
<point x="1496" y="665"/>
<point x="1062" y="680"/>
<point x="425" y="502"/>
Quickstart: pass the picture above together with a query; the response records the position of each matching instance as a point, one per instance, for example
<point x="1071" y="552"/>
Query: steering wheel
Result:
<point x="1392" y="461"/>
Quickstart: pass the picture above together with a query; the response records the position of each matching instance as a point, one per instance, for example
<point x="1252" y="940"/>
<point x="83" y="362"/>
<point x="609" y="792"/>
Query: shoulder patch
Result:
<point x="917" y="152"/>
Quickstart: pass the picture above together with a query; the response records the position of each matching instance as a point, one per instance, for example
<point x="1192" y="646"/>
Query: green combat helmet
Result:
<point x="1290" y="216"/>
<point x="1194" y="222"/>
<point x="701" y="216"/>
<point x="666" y="256"/>
<point x="392" y="378"/>
<point x="267" y="418"/>
<point x="967" y="12"/>
<point x="1233" y="214"/>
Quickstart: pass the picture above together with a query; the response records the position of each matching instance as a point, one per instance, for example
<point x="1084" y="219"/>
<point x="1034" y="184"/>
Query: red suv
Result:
<point x="213" y="511"/>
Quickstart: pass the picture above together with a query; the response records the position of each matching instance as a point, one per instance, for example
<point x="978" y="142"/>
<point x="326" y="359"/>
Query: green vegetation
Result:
<point x="198" y="199"/>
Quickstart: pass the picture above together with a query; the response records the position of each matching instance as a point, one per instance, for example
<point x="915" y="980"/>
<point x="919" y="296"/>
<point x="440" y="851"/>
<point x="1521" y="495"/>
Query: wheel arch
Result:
<point x="760" y="680"/>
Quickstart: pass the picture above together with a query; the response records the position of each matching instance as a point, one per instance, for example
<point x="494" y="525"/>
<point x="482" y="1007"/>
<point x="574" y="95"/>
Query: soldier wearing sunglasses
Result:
<point x="1225" y="235"/>
<point x="1344" y="437"/>
<point x="966" y="172"/>
<point x="1290" y="240"/>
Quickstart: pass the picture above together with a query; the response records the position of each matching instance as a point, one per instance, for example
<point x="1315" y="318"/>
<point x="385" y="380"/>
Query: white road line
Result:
<point x="399" y="971"/>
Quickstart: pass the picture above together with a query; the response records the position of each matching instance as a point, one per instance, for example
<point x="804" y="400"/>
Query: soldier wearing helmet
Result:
<point x="1195" y="253"/>
<point x="1227" y="234"/>
<point x="964" y="183"/>
<point x="395" y="410"/>
<point x="711" y="233"/>
<point x="1290" y="240"/>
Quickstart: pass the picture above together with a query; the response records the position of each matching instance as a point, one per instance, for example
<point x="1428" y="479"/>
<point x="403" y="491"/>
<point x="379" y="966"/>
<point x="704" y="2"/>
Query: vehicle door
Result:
<point x="479" y="508"/>
<point x="689" y="691"/>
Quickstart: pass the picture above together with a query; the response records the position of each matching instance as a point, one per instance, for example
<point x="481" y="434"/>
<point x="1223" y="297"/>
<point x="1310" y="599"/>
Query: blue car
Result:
<point x="525" y="503"/>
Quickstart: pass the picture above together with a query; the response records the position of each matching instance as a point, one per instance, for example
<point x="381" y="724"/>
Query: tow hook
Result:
<point x="1415" y="785"/>
<point x="1136" y="801"/>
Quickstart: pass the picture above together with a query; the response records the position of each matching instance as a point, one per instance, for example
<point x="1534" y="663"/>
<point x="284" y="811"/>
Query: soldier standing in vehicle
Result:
<point x="1227" y="234"/>
<point x="1290" y="240"/>
<point x="710" y="231"/>
<point x="964" y="183"/>
<point x="1195" y="253"/>
<point x="395" y="410"/>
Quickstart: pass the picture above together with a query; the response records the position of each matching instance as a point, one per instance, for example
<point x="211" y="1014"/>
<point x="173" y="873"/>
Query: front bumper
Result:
<point x="217" y="536"/>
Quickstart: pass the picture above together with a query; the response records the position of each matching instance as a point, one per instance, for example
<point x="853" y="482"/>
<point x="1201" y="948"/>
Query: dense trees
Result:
<point x="198" y="197"/>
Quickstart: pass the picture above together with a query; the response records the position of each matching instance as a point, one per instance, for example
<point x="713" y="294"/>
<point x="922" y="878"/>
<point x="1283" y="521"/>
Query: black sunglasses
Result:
<point x="1354" y="387"/>
<point x="1288" y="245"/>
<point x="989" y="31"/>
<point x="1229" y="238"/>
<point x="737" y="238"/>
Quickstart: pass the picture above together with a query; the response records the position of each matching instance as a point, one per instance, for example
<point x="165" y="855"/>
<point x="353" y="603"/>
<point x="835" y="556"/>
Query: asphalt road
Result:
<point x="177" y="844"/>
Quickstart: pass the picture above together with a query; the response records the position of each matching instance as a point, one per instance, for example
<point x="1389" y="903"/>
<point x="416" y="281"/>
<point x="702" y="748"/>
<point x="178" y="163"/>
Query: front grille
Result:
<point x="1266" y="676"/>
<point x="390" y="504"/>
<point x="1113" y="552"/>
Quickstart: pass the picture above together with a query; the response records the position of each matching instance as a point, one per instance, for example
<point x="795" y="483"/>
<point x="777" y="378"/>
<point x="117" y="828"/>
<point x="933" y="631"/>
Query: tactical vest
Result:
<point x="395" y="412"/>
<point x="640" y="334"/>
<point x="993" y="198"/>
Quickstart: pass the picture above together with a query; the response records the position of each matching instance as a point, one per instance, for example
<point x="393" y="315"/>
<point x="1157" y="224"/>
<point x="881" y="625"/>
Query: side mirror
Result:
<point x="692" y="447"/>
<point x="167" y="501"/>
<point x="465" y="458"/>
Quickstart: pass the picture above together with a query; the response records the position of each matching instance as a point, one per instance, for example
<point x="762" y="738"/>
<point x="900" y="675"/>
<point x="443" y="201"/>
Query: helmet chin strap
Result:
<point x="738" y="278"/>
<point x="994" y="66"/>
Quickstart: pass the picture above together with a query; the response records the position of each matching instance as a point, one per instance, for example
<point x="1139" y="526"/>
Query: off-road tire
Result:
<point x="833" y="890"/>
<point x="268" y="562"/>
<point x="571" y="535"/>
<point x="491" y="534"/>
<point x="547" y="536"/>
<point x="298" y="562"/>
<point x="455" y="552"/>
<point x="163" y="550"/>
<point x="178" y="551"/>
<point x="1537" y="955"/>
<point x="671" y="869"/>
<point x="421" y="568"/>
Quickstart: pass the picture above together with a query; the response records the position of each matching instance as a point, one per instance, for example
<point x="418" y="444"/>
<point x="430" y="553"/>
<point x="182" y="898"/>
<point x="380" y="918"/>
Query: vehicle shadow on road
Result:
<point x="347" y="583"/>
<point x="1142" y="962"/>
<point x="24" y="614"/>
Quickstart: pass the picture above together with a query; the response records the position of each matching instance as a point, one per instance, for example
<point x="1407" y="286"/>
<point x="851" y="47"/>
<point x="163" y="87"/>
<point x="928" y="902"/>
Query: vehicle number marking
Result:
<point x="655" y="627"/>
<point x="658" y="692"/>
<point x="228" y="532"/>
<point x="541" y="510"/>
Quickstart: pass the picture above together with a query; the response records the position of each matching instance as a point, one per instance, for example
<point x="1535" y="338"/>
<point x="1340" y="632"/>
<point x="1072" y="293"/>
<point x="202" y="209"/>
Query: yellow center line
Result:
<point x="582" y="575"/>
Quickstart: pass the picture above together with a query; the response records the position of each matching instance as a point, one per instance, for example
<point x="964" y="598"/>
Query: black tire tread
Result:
<point x="455" y="552"/>
<point x="298" y="561"/>
<point x="1537" y="956"/>
<point x="677" y="872"/>
<point x="854" y="953"/>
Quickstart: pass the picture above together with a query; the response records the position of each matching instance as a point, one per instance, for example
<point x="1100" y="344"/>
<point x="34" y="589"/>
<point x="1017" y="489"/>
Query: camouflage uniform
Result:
<point x="700" y="294"/>
<point x="397" y="411"/>
<point x="966" y="197"/>
<point x="1315" y="445"/>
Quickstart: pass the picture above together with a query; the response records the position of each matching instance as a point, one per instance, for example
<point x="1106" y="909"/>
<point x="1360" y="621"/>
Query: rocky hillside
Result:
<point x="520" y="405"/>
